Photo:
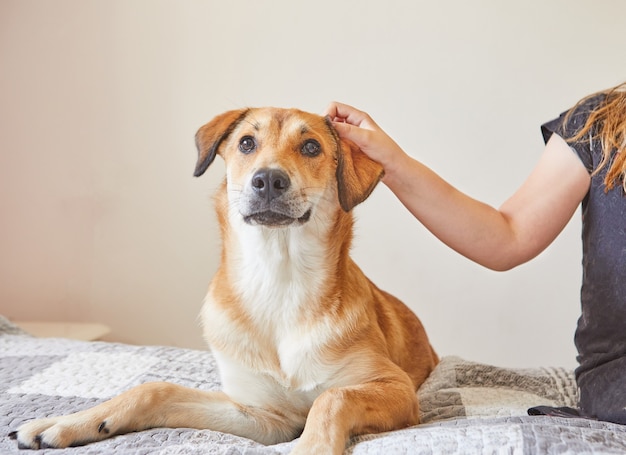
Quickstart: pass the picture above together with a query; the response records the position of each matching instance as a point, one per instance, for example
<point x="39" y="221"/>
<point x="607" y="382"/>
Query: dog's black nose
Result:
<point x="270" y="183"/>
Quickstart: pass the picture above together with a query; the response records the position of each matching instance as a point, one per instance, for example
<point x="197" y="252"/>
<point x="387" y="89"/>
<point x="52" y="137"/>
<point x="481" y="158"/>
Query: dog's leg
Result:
<point x="157" y="405"/>
<point x="339" y="413"/>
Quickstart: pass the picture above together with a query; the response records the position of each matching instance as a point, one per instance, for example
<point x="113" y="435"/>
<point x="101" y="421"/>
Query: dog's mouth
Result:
<point x="270" y="218"/>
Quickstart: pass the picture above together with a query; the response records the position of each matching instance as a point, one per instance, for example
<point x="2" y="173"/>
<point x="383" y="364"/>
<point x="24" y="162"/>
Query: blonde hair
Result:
<point x="607" y="123"/>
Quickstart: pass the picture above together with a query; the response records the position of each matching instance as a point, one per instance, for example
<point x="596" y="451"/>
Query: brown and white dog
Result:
<point x="305" y="343"/>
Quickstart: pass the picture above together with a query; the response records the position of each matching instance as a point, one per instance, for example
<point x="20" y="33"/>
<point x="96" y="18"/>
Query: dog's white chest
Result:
<point x="278" y="280"/>
<point x="301" y="357"/>
<point x="278" y="274"/>
<point x="284" y="363"/>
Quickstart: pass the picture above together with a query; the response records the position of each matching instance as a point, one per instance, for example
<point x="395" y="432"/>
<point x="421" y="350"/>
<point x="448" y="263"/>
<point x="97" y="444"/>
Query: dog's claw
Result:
<point x="103" y="427"/>
<point x="44" y="445"/>
<point x="36" y="444"/>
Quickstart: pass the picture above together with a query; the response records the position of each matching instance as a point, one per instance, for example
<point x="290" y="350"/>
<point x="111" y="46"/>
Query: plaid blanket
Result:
<point x="466" y="407"/>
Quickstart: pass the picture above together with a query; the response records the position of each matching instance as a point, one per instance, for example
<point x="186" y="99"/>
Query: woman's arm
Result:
<point x="499" y="239"/>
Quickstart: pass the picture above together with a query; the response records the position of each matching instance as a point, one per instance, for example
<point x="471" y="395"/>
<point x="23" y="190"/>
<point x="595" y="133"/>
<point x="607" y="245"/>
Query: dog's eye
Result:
<point x="311" y="148"/>
<point x="247" y="144"/>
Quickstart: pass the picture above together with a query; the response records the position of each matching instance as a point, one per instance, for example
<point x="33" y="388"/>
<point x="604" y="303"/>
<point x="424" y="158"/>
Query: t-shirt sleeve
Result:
<point x="574" y="124"/>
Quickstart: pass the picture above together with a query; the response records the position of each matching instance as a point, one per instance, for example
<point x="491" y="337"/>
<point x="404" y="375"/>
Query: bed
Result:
<point x="466" y="407"/>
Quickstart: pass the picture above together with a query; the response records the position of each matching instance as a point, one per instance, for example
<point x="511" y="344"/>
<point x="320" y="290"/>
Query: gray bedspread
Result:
<point x="466" y="407"/>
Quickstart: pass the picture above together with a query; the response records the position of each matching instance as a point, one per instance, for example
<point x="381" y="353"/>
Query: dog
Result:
<point x="305" y="343"/>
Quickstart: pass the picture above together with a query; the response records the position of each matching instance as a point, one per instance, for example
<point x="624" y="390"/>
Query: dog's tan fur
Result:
<point x="304" y="341"/>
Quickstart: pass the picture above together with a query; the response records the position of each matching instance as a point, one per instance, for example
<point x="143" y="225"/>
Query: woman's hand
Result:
<point x="358" y="127"/>
<point x="496" y="238"/>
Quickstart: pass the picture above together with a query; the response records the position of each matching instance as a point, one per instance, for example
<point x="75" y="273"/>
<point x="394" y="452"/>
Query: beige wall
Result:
<point x="99" y="101"/>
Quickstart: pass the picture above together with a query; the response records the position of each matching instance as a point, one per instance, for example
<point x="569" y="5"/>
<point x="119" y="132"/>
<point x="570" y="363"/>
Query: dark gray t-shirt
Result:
<point x="601" y="332"/>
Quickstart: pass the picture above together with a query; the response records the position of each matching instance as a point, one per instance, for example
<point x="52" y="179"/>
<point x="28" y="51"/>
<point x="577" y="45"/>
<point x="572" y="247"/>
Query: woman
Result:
<point x="500" y="239"/>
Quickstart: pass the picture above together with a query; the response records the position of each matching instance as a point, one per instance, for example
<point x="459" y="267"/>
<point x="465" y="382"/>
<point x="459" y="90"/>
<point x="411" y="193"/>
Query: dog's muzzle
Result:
<point x="270" y="202"/>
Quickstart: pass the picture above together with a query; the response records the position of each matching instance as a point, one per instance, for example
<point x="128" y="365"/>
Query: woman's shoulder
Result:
<point x="571" y="121"/>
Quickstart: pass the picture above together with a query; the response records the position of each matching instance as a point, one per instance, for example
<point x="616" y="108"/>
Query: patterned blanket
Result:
<point x="466" y="407"/>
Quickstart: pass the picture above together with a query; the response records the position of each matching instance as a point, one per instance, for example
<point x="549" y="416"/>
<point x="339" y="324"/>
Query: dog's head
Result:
<point x="281" y="163"/>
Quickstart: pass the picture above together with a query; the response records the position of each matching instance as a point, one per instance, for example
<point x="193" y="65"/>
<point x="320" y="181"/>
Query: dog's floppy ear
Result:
<point x="357" y="175"/>
<point x="210" y="136"/>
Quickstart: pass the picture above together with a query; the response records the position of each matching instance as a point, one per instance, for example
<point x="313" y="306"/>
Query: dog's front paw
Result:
<point x="38" y="434"/>
<point x="51" y="433"/>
